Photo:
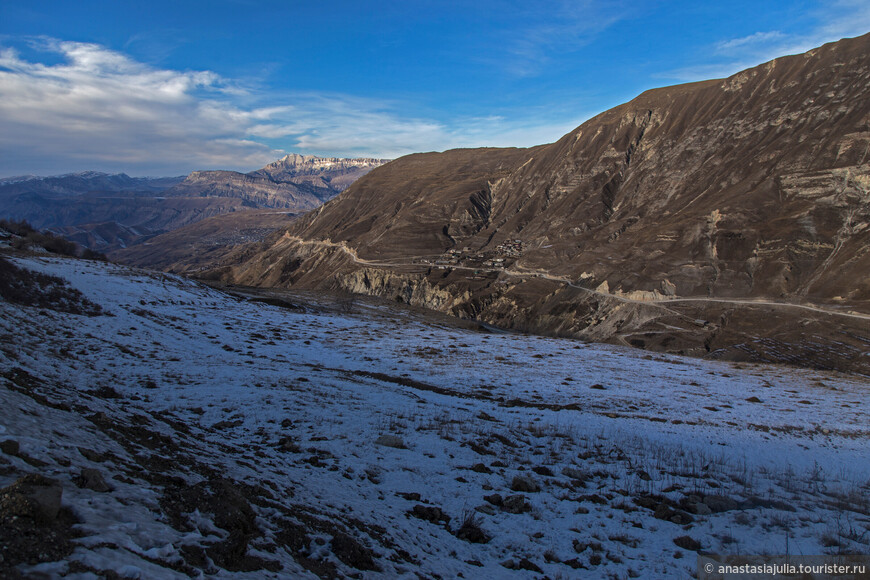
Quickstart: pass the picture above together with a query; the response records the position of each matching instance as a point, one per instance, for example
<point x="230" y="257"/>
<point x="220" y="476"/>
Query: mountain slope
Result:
<point x="195" y="246"/>
<point x="743" y="190"/>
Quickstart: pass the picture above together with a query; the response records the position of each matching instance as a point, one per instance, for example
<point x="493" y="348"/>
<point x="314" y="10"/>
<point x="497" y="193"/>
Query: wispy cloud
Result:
<point x="838" y="19"/>
<point x="545" y="30"/>
<point x="750" y="41"/>
<point x="100" y="109"/>
<point x="845" y="18"/>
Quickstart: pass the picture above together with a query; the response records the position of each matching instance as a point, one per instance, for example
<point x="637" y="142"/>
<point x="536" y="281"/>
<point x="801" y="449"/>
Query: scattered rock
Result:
<point x="677" y="516"/>
<point x="526" y="564"/>
<point x="722" y="503"/>
<point x="32" y="496"/>
<point x="543" y="470"/>
<point x="92" y="479"/>
<point x="756" y="501"/>
<point x="225" y="499"/>
<point x="9" y="447"/>
<point x="688" y="543"/>
<point x="581" y="547"/>
<point x="494" y="499"/>
<point x="106" y="392"/>
<point x="470" y="531"/>
<point x="480" y="468"/>
<point x="92" y="455"/>
<point x="430" y="514"/>
<point x="516" y="504"/>
<point x="702" y="510"/>
<point x="220" y="425"/>
<point x="352" y="553"/>
<point x="412" y="496"/>
<point x="523" y="564"/>
<point x="649" y="501"/>
<point x="33" y="527"/>
<point x="524" y="483"/>
<point x="595" y="559"/>
<point x="486" y="509"/>
<point x="574" y="473"/>
<point x="390" y="441"/>
<point x="288" y="444"/>
<point x="593" y="498"/>
<point x="478" y="448"/>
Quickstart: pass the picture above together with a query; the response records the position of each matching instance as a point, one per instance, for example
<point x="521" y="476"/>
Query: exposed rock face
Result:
<point x="713" y="196"/>
<point x="298" y="182"/>
<point x="109" y="212"/>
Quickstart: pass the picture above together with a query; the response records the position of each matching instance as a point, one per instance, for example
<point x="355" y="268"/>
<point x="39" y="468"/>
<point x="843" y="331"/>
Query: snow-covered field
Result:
<point x="243" y="439"/>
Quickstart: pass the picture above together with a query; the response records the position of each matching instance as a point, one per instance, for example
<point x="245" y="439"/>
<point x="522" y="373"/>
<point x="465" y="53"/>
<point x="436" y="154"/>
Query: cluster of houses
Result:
<point x="492" y="259"/>
<point x="510" y="248"/>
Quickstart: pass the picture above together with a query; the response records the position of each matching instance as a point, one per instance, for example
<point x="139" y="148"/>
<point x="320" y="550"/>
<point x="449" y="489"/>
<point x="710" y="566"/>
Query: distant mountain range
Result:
<point x="297" y="182"/>
<point x="108" y="212"/>
<point x="724" y="218"/>
<point x="73" y="184"/>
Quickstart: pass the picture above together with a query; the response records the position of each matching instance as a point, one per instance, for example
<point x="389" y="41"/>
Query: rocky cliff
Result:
<point x="297" y="182"/>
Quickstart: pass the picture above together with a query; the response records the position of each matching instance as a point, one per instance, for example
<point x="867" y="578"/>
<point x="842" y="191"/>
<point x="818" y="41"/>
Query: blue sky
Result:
<point x="163" y="88"/>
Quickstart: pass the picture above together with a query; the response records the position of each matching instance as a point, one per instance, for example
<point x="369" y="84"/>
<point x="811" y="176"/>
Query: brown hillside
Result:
<point x="660" y="223"/>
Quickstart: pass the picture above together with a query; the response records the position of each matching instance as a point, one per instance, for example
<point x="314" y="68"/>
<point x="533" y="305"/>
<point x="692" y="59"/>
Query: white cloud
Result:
<point x="845" y="18"/>
<point x="100" y="109"/>
<point x="837" y="20"/>
<point x="752" y="40"/>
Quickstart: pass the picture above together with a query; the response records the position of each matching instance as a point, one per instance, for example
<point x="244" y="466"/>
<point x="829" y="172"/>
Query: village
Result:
<point x="503" y="254"/>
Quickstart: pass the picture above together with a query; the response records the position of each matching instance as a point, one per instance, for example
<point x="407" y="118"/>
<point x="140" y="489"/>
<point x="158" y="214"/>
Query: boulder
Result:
<point x="430" y="513"/>
<point x="390" y="441"/>
<point x="32" y="496"/>
<point x="516" y="504"/>
<point x="93" y="479"/>
<point x="9" y="447"/>
<point x="524" y="483"/>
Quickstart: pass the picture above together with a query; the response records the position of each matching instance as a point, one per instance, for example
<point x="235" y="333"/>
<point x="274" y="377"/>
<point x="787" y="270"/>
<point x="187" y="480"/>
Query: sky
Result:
<point x="163" y="88"/>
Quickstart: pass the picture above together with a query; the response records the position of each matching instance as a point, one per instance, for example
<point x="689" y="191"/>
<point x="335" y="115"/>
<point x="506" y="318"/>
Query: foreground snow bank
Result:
<point x="194" y="432"/>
